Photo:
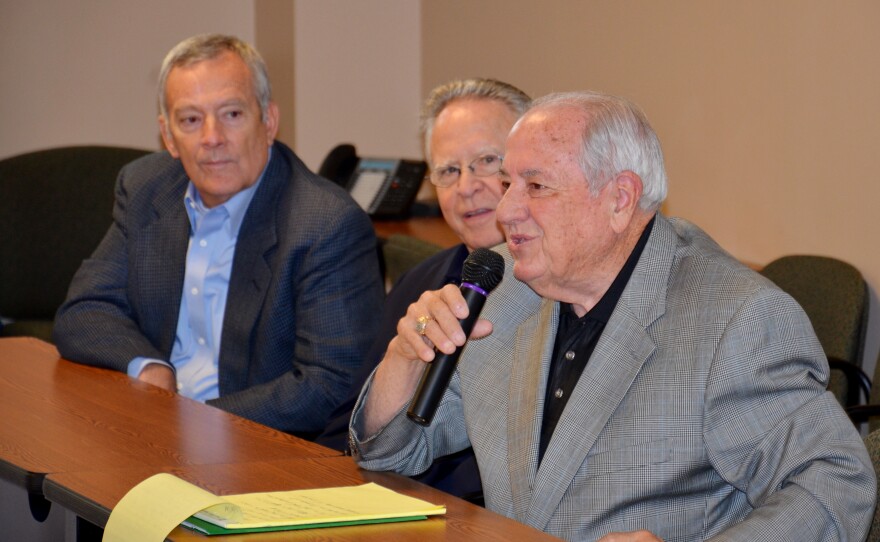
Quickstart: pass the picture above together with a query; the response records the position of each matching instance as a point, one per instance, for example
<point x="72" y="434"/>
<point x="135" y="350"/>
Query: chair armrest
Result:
<point x="856" y="379"/>
<point x="861" y="413"/>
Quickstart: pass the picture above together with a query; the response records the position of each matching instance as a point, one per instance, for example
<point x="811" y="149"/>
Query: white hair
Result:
<point x="617" y="138"/>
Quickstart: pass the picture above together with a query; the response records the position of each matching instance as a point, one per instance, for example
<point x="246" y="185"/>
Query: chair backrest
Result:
<point x="834" y="295"/>
<point x="56" y="205"/>
<point x="872" y="442"/>
<point x="402" y="252"/>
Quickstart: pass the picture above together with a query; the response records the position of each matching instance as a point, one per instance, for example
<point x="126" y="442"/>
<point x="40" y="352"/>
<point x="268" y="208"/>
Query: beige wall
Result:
<point x="85" y="72"/>
<point x="768" y="111"/>
<point x="274" y="39"/>
<point x="358" y="74"/>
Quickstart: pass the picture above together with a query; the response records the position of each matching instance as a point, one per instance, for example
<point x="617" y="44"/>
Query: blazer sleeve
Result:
<point x="774" y="433"/>
<point x="405" y="447"/>
<point x="97" y="324"/>
<point x="427" y="275"/>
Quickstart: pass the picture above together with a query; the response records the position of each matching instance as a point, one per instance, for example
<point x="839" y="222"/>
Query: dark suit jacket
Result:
<point x="456" y="473"/>
<point x="302" y="299"/>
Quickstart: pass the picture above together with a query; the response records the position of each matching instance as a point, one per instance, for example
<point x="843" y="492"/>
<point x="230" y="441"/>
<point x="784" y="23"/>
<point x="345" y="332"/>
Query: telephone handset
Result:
<point x="383" y="187"/>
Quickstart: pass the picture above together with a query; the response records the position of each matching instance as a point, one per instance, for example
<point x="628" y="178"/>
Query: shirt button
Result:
<point x="559" y="393"/>
<point x="203" y="243"/>
<point x="569" y="355"/>
<point x="194" y="291"/>
<point x="201" y="341"/>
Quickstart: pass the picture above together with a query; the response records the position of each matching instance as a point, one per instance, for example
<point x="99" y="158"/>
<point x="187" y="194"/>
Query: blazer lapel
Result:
<point x="165" y="239"/>
<point x="533" y="341"/>
<point x="622" y="350"/>
<point x="250" y="279"/>
<point x="617" y="359"/>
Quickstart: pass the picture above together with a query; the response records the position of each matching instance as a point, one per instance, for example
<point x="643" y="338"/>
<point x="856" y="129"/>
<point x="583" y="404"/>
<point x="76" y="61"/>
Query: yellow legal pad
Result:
<point x="164" y="501"/>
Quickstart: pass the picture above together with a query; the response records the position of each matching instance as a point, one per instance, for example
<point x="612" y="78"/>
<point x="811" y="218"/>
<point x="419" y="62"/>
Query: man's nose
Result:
<point x="212" y="132"/>
<point x="511" y="209"/>
<point x="468" y="183"/>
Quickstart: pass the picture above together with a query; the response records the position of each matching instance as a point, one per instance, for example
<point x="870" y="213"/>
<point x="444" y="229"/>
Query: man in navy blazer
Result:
<point x="231" y="273"/>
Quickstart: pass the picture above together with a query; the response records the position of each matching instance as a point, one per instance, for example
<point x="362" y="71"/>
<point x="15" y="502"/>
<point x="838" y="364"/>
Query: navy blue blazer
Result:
<point x="456" y="474"/>
<point x="303" y="294"/>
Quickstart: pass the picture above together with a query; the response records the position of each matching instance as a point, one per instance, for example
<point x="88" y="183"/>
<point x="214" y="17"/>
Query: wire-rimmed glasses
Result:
<point x="482" y="166"/>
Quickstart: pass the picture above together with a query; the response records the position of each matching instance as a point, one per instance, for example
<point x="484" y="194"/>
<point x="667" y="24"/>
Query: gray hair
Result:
<point x="210" y="46"/>
<point x="477" y="88"/>
<point x="617" y="138"/>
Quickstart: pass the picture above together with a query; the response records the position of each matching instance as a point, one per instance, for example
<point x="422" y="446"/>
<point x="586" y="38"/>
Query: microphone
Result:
<point x="481" y="273"/>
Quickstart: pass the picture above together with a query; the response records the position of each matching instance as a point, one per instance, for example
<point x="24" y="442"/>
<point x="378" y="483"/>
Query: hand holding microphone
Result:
<point x="482" y="271"/>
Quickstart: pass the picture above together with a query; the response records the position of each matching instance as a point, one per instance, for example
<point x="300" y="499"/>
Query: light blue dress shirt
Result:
<point x="196" y="351"/>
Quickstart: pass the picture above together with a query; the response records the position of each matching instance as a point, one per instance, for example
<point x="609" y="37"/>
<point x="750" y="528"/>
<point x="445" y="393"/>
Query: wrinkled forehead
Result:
<point x="558" y="125"/>
<point x="553" y="133"/>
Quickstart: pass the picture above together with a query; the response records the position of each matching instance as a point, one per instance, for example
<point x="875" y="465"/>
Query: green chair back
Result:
<point x="56" y="205"/>
<point x="834" y="295"/>
<point x="402" y="252"/>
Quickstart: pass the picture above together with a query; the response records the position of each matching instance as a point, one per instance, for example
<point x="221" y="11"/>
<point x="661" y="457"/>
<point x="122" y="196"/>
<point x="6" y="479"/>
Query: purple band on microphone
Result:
<point x="475" y="288"/>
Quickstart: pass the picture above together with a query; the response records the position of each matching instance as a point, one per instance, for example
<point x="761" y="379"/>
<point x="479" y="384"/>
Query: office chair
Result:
<point x="869" y="412"/>
<point x="402" y="252"/>
<point x="834" y="295"/>
<point x="55" y="206"/>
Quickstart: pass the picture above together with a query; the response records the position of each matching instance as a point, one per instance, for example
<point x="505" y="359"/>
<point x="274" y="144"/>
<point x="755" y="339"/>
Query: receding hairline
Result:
<point x="548" y="116"/>
<point x="205" y="47"/>
<point x="476" y="88"/>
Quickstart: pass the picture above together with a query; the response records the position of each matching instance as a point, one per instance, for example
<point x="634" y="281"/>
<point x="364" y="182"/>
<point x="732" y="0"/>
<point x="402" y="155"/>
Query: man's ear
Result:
<point x="271" y="122"/>
<point x="165" y="132"/>
<point x="627" y="188"/>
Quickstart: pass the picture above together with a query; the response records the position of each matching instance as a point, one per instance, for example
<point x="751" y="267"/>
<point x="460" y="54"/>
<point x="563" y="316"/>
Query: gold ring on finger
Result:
<point x="422" y="324"/>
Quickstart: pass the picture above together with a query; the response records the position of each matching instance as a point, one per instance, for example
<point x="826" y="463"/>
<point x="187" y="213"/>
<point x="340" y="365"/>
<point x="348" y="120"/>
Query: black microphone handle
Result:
<point x="437" y="374"/>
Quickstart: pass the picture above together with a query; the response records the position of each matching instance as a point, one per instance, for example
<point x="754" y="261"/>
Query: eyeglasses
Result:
<point x="446" y="176"/>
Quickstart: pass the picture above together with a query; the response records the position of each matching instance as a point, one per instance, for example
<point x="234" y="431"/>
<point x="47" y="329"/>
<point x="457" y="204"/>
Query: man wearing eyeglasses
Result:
<point x="464" y="125"/>
<point x="628" y="381"/>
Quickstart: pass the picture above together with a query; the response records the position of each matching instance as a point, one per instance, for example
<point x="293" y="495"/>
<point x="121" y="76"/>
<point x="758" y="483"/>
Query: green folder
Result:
<point x="211" y="529"/>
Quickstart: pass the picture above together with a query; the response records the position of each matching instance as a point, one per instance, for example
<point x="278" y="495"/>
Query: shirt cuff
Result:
<point x="137" y="365"/>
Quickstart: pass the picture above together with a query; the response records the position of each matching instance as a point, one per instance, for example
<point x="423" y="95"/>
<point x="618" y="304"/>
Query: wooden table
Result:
<point x="58" y="416"/>
<point x="432" y="229"/>
<point x="93" y="495"/>
<point x="82" y="437"/>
